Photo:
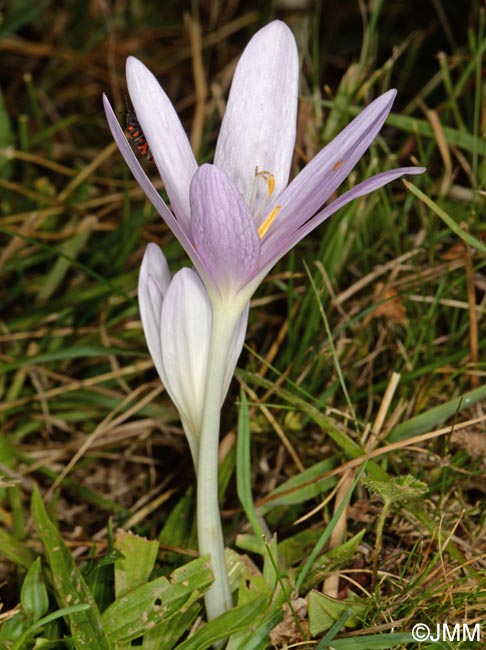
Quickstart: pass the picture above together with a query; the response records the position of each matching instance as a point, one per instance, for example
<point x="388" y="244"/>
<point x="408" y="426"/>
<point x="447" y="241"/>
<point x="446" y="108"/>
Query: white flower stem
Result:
<point x="210" y="534"/>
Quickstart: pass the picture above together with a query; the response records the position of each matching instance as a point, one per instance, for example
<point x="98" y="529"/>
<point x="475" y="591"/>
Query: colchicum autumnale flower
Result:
<point x="235" y="218"/>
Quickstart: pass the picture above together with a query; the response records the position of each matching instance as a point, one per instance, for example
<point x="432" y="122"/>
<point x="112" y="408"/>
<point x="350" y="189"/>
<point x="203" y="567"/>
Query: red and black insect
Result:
<point x="136" y="134"/>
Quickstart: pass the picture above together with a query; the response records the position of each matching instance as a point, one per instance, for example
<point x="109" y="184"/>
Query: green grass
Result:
<point x="394" y="283"/>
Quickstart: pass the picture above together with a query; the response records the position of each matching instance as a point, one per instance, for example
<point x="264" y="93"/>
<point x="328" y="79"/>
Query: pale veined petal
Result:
<point x="165" y="136"/>
<point x="185" y="336"/>
<point x="321" y="177"/>
<point x="153" y="282"/>
<point x="224" y="232"/>
<point x="155" y="264"/>
<point x="278" y="247"/>
<point x="259" y="124"/>
<point x="182" y="234"/>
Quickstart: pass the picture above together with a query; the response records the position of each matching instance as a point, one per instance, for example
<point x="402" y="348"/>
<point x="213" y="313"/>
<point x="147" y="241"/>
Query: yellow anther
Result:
<point x="271" y="184"/>
<point x="268" y="177"/>
<point x="264" y="228"/>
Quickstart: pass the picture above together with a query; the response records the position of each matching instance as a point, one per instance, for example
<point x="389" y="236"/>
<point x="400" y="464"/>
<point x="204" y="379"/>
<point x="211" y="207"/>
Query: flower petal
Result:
<point x="278" y="247"/>
<point x="224" y="232"/>
<point x="155" y="264"/>
<point x="259" y="124"/>
<point x="185" y="336"/>
<point x="165" y="136"/>
<point x="321" y="177"/>
<point x="140" y="176"/>
<point x="153" y="282"/>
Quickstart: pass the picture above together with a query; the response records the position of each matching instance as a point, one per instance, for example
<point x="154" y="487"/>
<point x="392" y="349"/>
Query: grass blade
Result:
<point x="71" y="589"/>
<point x="448" y="220"/>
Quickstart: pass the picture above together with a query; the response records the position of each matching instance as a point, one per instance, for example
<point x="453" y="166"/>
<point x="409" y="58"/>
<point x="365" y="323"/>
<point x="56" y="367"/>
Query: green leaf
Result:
<point x="243" y="467"/>
<point x="235" y="620"/>
<point x="33" y="595"/>
<point x="136" y="563"/>
<point x="333" y="559"/>
<point x="371" y="642"/>
<point x="12" y="629"/>
<point x="238" y="569"/>
<point x="256" y="638"/>
<point x="296" y="548"/>
<point x="434" y="416"/>
<point x="250" y="543"/>
<point x="179" y="529"/>
<point x="324" y="611"/>
<point x="60" y="613"/>
<point x="166" y="635"/>
<point x="398" y="490"/>
<point x="304" y="486"/>
<point x="15" y="551"/>
<point x="71" y="590"/>
<point x="157" y="601"/>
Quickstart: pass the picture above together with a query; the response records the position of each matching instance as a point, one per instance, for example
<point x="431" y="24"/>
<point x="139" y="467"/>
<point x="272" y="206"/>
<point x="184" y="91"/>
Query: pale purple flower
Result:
<point x="236" y="218"/>
<point x="177" y="322"/>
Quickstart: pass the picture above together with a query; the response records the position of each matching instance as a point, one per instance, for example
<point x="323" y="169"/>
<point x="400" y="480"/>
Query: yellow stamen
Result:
<point x="268" y="177"/>
<point x="264" y="228"/>
<point x="271" y="184"/>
